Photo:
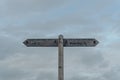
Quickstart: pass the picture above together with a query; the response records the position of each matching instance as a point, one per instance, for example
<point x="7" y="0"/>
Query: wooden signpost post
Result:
<point x="60" y="43"/>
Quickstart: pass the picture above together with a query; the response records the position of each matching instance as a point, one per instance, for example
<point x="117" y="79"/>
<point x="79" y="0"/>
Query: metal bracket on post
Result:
<point x="60" y="58"/>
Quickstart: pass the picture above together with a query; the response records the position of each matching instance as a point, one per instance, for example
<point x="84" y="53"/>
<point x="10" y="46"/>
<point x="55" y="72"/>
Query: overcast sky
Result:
<point x="22" y="19"/>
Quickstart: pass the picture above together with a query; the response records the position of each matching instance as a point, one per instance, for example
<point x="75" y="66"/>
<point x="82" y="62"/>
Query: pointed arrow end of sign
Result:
<point x="25" y="43"/>
<point x="96" y="42"/>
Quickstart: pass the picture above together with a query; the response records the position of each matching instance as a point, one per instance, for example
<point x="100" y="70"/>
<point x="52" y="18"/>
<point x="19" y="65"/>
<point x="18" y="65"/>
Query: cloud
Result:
<point x="74" y="23"/>
<point x="24" y="66"/>
<point x="7" y="73"/>
<point x="46" y="76"/>
<point x="8" y="45"/>
<point x="112" y="75"/>
<point x="91" y="59"/>
<point x="71" y="24"/>
<point x="22" y="7"/>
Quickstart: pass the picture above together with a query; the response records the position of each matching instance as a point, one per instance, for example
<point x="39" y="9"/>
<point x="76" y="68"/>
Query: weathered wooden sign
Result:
<point x="66" y="42"/>
<point x="41" y="42"/>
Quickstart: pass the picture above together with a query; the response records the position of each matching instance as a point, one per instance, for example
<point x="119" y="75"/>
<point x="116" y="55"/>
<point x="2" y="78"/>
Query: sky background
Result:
<point x="22" y="19"/>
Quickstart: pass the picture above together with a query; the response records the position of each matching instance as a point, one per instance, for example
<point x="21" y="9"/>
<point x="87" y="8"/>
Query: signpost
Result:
<point x="61" y="43"/>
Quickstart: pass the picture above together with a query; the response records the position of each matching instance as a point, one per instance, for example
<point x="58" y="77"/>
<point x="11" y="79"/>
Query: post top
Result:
<point x="60" y="36"/>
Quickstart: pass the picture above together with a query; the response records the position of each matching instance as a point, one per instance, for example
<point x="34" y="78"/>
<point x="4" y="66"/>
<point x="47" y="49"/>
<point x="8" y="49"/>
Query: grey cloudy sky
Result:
<point x="22" y="19"/>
